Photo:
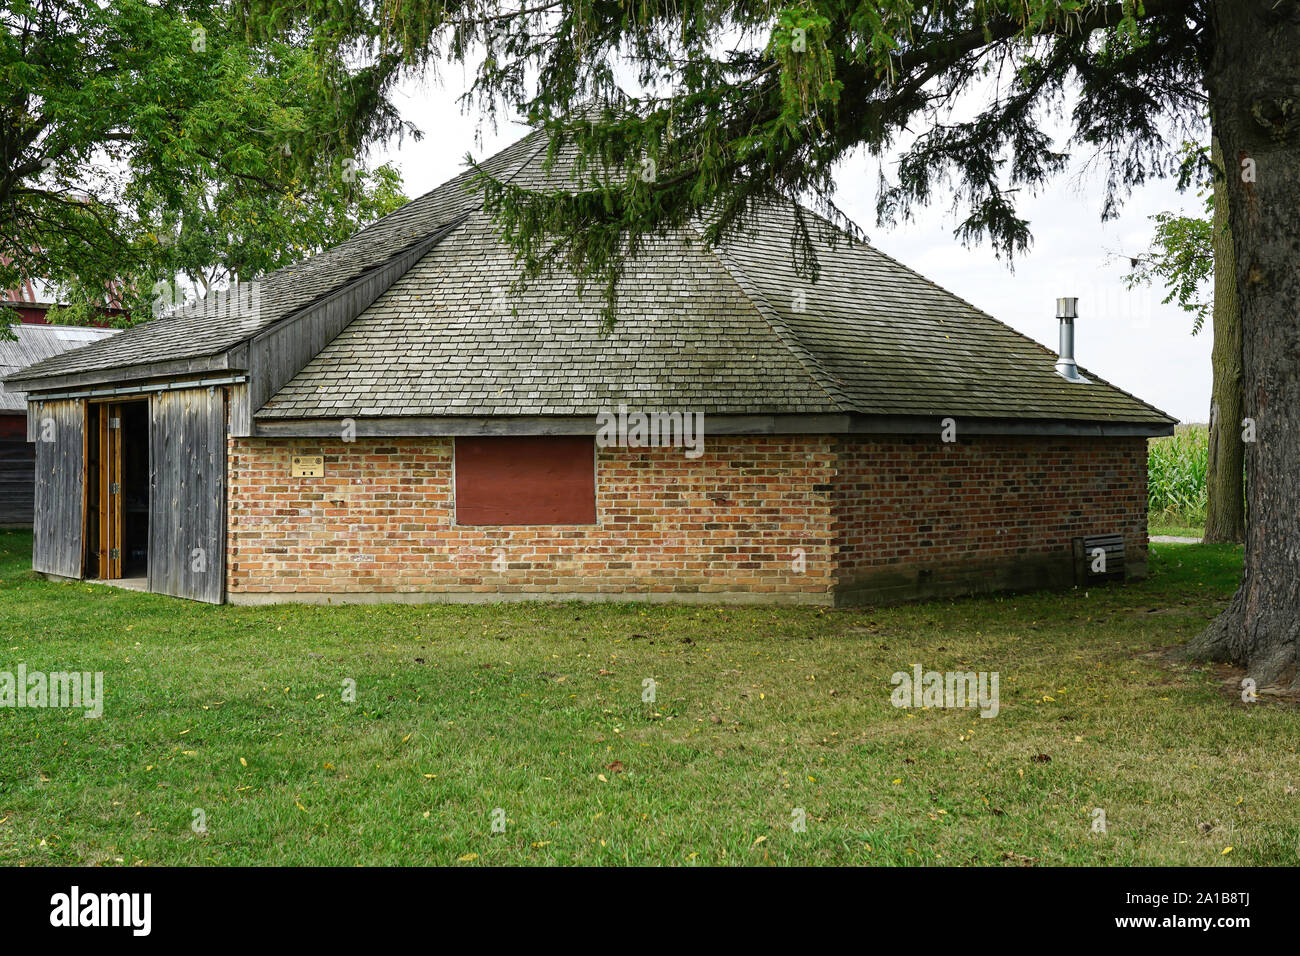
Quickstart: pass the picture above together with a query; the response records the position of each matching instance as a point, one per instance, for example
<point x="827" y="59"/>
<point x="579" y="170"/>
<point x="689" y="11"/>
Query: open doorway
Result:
<point x="117" y="490"/>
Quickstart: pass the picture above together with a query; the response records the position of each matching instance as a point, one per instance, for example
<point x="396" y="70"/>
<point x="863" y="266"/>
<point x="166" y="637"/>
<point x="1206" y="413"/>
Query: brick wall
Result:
<point x="916" y="516"/>
<point x="382" y="520"/>
<point x="875" y="519"/>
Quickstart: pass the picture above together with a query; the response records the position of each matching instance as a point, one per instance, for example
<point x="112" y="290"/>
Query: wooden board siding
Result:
<point x="237" y="409"/>
<point x="187" y="494"/>
<point x="60" y="507"/>
<point x="17" y="473"/>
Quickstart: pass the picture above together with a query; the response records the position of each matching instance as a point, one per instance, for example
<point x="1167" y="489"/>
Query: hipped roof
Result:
<point x="729" y="330"/>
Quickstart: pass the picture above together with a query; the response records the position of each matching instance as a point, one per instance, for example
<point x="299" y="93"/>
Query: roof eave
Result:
<point x="119" y="374"/>
<point x="1012" y="427"/>
<point x="773" y="424"/>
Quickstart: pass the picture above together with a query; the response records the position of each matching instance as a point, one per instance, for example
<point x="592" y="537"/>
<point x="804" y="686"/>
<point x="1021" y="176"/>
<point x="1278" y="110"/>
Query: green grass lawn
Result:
<point x="1179" y="525"/>
<point x="537" y="710"/>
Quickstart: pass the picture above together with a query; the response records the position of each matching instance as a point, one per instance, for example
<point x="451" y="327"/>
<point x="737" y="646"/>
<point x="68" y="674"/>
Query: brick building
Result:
<point x="392" y="420"/>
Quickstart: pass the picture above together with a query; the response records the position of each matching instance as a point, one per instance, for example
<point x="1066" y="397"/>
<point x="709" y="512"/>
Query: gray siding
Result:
<point x="59" y="525"/>
<point x="187" y="494"/>
<point x="17" y="484"/>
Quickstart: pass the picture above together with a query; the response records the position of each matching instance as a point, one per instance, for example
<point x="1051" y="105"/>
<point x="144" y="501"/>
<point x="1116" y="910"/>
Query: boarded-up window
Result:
<point x="511" y="481"/>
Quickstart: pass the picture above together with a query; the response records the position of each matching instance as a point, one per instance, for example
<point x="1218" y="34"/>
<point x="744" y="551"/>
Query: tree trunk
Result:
<point x="1254" y="91"/>
<point x="1225" y="518"/>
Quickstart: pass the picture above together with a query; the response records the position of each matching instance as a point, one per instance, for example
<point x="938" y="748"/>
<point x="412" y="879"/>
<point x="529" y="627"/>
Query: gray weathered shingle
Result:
<point x="731" y="330"/>
<point x="287" y="290"/>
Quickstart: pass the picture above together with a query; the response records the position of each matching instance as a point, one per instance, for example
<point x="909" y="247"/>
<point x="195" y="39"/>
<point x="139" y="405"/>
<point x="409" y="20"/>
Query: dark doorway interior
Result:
<point x="135" y="489"/>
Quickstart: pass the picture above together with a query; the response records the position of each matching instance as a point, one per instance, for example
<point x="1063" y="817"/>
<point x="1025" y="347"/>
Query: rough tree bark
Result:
<point x="1254" y="88"/>
<point x="1225" y="512"/>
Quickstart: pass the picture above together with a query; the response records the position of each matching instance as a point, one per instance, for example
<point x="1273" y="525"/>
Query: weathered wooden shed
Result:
<point x="391" y="420"/>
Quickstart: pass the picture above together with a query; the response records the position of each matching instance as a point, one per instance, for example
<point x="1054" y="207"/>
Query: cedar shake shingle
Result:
<point x="731" y="330"/>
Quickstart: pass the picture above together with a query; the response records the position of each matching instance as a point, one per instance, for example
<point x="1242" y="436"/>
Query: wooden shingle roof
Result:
<point x="212" y="329"/>
<point x="894" y="343"/>
<point x="731" y="330"/>
<point x="448" y="338"/>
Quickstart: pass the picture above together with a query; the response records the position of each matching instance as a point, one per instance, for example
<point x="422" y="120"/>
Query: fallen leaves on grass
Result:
<point x="1019" y="859"/>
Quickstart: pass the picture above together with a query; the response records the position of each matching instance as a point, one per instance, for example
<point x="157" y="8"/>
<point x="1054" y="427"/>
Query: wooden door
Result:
<point x="187" y="495"/>
<point x="59" y="428"/>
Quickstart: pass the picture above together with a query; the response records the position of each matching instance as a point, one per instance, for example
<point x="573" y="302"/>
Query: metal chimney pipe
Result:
<point x="1067" y="310"/>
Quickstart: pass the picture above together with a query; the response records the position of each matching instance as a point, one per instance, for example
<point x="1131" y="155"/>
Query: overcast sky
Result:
<point x="1128" y="338"/>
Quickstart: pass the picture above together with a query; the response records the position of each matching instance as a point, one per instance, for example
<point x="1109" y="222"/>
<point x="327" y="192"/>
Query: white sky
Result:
<point x="1128" y="338"/>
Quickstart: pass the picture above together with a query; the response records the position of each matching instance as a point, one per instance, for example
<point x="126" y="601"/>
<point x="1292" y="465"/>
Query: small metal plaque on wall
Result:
<point x="308" y="466"/>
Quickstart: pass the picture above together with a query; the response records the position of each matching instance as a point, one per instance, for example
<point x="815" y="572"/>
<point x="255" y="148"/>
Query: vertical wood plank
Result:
<point x="59" y="509"/>
<point x="187" y="494"/>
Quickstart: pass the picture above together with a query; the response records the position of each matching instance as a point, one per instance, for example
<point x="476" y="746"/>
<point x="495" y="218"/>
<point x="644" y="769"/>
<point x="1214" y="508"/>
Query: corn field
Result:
<point x="1176" y="475"/>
